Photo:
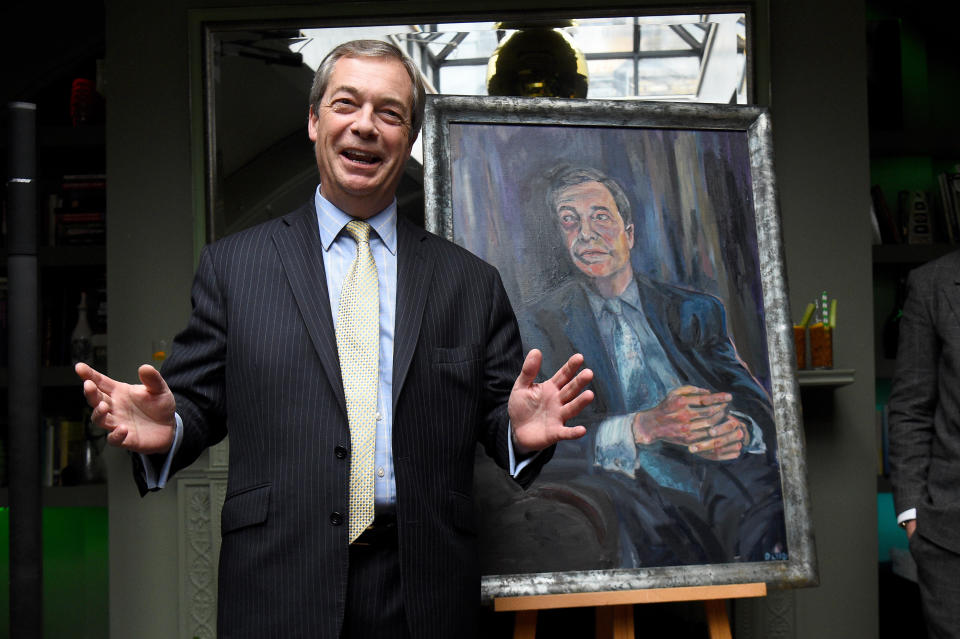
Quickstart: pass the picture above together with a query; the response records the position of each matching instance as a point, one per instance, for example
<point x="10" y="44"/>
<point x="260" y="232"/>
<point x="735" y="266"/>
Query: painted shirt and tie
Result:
<point x="645" y="375"/>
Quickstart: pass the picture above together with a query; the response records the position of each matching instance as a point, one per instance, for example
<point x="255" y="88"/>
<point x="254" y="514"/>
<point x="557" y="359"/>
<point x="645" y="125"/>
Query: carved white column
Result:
<point x="200" y="493"/>
<point x="770" y="617"/>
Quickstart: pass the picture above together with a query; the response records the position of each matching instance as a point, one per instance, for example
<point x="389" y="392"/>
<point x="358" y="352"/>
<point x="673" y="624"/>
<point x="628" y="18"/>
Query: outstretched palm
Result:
<point x="139" y="417"/>
<point x="539" y="411"/>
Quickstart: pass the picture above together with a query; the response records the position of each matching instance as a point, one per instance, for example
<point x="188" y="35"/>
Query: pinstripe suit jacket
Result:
<point x="258" y="359"/>
<point x="925" y="403"/>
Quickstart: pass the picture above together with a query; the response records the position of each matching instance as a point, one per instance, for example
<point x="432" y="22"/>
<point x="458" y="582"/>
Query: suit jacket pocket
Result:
<point x="247" y="507"/>
<point x="458" y="354"/>
<point x="458" y="381"/>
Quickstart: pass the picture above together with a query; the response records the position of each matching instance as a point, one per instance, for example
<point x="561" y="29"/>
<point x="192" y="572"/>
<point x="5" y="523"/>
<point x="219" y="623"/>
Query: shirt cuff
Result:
<point x="756" y="445"/>
<point x="907" y="515"/>
<point x="616" y="449"/>
<point x="516" y="468"/>
<point x="156" y="480"/>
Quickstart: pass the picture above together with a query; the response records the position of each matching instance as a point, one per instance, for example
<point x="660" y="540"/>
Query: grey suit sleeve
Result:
<point x="913" y="399"/>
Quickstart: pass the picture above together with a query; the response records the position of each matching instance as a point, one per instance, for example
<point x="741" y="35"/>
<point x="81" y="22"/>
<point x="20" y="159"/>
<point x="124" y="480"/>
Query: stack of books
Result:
<point x="80" y="217"/>
<point x="950" y="203"/>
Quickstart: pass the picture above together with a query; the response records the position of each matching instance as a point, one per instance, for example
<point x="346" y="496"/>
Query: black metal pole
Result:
<point x="23" y="387"/>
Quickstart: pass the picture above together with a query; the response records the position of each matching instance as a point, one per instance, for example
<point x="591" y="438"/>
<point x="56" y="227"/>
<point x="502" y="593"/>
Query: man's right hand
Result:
<point x="911" y="527"/>
<point x="685" y="417"/>
<point x="140" y="417"/>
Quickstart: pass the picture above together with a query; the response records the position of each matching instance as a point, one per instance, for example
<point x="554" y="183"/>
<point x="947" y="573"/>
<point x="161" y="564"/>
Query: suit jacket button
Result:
<point x="336" y="519"/>
<point x="340" y="452"/>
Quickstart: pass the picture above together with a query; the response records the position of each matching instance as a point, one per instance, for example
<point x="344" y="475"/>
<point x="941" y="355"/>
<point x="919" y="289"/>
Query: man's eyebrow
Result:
<point x="567" y="207"/>
<point x="345" y="88"/>
<point x="355" y="92"/>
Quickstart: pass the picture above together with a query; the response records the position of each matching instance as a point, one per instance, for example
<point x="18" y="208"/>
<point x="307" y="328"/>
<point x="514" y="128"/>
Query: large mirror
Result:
<point x="259" y="162"/>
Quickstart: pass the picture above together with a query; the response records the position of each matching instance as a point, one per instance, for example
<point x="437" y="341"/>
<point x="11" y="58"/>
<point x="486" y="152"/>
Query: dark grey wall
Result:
<point x="149" y="269"/>
<point x="814" y="71"/>
<point x="818" y="88"/>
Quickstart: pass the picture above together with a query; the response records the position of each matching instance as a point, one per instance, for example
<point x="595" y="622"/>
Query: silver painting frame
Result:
<point x="800" y="568"/>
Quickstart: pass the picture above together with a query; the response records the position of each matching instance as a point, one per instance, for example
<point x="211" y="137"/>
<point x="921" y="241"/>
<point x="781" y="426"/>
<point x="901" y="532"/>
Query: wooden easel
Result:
<point x="615" y="608"/>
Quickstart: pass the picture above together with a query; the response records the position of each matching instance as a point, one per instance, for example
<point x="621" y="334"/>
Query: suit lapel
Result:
<point x="655" y="312"/>
<point x="298" y="243"/>
<point x="414" y="272"/>
<point x="583" y="333"/>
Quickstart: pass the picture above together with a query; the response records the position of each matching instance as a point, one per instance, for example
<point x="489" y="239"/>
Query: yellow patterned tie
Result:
<point x="358" y="343"/>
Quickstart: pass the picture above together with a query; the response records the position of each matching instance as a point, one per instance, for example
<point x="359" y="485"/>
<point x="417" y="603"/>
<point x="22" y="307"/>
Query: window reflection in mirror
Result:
<point x="260" y="163"/>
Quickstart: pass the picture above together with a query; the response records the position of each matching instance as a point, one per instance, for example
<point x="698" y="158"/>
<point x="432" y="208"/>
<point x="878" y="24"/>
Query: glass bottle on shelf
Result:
<point x="81" y="348"/>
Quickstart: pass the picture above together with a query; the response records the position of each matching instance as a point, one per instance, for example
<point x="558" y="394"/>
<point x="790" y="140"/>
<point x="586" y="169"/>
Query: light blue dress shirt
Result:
<point x="339" y="250"/>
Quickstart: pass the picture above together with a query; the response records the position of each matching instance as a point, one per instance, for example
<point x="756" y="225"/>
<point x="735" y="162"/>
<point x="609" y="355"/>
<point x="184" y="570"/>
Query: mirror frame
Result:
<point x="206" y="24"/>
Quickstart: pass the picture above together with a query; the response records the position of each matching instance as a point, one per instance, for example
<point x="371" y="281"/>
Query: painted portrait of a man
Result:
<point x="680" y="428"/>
<point x="637" y="248"/>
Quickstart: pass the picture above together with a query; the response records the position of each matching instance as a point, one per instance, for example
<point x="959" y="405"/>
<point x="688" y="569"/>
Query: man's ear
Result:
<point x="629" y="233"/>
<point x="412" y="140"/>
<point x="312" y="119"/>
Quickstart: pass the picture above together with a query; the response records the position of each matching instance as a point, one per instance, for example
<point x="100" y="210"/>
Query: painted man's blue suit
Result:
<point x="736" y="511"/>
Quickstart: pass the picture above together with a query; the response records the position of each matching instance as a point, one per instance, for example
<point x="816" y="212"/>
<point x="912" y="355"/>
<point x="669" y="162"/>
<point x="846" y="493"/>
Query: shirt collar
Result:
<point x="630" y="297"/>
<point x="331" y="221"/>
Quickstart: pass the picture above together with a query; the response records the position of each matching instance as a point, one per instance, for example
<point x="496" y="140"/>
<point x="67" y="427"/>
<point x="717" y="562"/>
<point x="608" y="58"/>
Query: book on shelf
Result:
<point x="915" y="215"/>
<point x="79" y="228"/>
<point x="947" y="207"/>
<point x="84" y="192"/>
<point x="76" y="212"/>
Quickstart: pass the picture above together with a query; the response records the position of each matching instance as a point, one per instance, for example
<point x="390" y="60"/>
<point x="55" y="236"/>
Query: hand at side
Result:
<point x="911" y="527"/>
<point x="539" y="411"/>
<point x="138" y="417"/>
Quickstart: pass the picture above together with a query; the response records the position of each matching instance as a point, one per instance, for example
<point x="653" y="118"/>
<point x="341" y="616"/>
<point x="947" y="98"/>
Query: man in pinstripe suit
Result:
<point x="259" y="360"/>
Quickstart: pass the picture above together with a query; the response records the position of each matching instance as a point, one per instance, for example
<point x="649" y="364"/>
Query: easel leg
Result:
<point x="717" y="620"/>
<point x="614" y="622"/>
<point x="525" y="624"/>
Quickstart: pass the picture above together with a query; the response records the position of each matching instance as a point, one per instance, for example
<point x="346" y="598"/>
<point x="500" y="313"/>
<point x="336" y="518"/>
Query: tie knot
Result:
<point x="612" y="305"/>
<point x="359" y="230"/>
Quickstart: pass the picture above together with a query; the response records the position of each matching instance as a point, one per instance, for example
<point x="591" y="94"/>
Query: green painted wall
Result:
<point x="75" y="586"/>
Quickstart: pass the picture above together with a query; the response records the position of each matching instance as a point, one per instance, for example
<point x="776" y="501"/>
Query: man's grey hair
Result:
<point x="563" y="176"/>
<point x="371" y="49"/>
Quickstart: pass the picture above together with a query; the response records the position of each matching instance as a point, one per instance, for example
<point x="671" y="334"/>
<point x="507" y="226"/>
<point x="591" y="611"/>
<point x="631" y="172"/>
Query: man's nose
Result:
<point x="586" y="229"/>
<point x="364" y="124"/>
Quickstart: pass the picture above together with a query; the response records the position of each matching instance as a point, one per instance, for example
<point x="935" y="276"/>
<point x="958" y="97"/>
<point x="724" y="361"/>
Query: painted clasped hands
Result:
<point x="696" y="419"/>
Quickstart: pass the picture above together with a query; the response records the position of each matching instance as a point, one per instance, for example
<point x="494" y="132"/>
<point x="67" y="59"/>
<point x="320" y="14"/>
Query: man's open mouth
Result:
<point x="361" y="157"/>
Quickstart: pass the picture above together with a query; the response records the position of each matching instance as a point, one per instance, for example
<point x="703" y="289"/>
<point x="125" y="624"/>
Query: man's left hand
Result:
<point x="724" y="441"/>
<point x="539" y="411"/>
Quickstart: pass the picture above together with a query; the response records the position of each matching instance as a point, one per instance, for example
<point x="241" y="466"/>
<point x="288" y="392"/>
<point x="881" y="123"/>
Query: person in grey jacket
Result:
<point x="925" y="437"/>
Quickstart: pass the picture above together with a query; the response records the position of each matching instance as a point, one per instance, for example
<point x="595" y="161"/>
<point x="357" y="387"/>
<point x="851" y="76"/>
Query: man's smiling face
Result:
<point x="362" y="133"/>
<point x="594" y="234"/>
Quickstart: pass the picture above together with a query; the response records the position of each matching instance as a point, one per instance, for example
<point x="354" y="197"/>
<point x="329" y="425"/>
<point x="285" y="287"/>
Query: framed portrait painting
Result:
<point x="645" y="236"/>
